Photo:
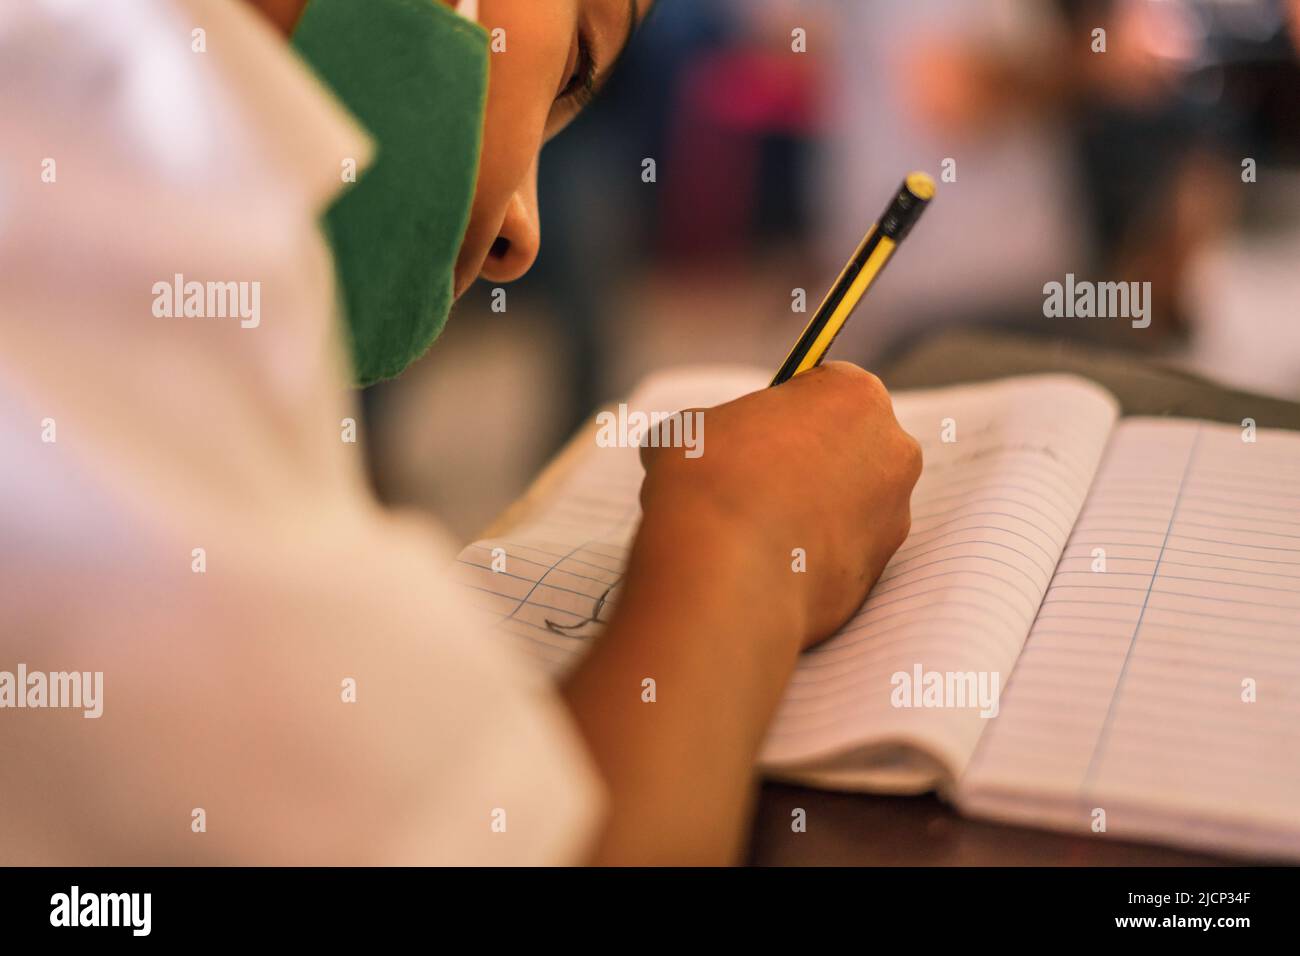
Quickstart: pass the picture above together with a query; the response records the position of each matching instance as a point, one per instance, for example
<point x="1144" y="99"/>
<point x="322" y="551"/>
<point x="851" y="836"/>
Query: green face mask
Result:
<point x="414" y="73"/>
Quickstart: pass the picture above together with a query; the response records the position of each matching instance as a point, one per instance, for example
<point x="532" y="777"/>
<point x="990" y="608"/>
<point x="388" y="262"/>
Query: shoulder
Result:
<point x="157" y="112"/>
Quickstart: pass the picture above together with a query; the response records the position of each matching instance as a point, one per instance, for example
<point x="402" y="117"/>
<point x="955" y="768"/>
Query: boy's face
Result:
<point x="556" y="54"/>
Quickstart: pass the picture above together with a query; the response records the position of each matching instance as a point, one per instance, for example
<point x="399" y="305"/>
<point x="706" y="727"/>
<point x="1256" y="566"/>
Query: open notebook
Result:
<point x="1125" y="690"/>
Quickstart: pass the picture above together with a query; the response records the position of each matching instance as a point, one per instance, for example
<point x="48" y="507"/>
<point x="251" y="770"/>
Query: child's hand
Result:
<point x="820" y="464"/>
<point x="713" y="611"/>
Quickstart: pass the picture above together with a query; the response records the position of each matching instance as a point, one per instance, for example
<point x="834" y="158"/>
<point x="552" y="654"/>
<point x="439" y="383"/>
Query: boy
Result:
<point x="285" y="678"/>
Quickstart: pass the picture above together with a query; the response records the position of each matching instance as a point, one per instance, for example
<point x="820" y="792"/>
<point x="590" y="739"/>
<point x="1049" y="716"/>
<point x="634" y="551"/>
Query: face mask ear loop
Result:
<point x="468" y="9"/>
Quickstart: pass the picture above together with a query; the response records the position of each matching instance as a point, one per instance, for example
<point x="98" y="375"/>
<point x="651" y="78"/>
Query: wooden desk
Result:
<point x="853" y="829"/>
<point x="858" y="829"/>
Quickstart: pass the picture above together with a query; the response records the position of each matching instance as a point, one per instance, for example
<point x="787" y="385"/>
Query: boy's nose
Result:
<point x="517" y="243"/>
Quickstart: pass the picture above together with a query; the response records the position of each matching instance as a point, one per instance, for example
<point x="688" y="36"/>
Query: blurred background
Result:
<point x="1173" y="157"/>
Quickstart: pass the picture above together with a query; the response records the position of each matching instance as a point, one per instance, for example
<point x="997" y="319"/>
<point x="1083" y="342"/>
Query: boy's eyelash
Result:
<point x="581" y="87"/>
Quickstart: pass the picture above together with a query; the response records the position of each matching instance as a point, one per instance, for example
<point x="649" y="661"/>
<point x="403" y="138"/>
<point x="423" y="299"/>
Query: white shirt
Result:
<point x="227" y="733"/>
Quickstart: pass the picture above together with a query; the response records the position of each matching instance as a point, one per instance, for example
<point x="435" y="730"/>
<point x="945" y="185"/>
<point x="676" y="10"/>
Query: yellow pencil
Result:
<point x="876" y="249"/>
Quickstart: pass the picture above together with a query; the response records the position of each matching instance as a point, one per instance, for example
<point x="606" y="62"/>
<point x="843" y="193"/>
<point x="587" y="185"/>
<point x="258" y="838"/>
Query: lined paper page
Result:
<point x="991" y="514"/>
<point x="1128" y="695"/>
<point x="564" y="565"/>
